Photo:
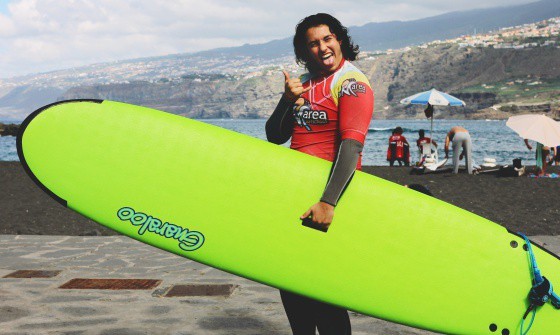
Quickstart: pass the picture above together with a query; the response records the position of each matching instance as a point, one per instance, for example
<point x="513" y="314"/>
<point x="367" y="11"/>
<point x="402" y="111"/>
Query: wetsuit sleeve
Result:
<point x="355" y="108"/>
<point x="280" y="125"/>
<point x="343" y="170"/>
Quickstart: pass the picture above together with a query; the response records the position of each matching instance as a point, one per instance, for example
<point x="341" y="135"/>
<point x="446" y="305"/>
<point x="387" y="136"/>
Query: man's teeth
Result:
<point x="327" y="56"/>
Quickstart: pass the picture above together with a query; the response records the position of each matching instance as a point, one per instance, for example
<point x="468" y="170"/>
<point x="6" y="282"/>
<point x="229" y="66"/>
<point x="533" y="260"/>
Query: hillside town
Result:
<point x="178" y="67"/>
<point x="152" y="70"/>
<point x="539" y="34"/>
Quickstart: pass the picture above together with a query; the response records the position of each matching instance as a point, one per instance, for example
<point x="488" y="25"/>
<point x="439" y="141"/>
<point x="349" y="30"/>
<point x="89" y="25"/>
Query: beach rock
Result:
<point x="9" y="129"/>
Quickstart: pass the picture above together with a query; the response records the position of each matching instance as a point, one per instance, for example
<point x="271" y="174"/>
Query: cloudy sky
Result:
<point x="44" y="35"/>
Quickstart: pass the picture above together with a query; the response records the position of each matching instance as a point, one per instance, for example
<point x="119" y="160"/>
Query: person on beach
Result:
<point x="556" y="155"/>
<point x="461" y="140"/>
<point x="422" y="139"/>
<point x="424" y="149"/>
<point x="326" y="113"/>
<point x="541" y="152"/>
<point x="398" y="149"/>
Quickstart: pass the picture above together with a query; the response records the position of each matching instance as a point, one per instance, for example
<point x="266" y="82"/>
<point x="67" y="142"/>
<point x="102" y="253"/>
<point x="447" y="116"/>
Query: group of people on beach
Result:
<point x="458" y="137"/>
<point x="460" y="140"/>
<point x="544" y="156"/>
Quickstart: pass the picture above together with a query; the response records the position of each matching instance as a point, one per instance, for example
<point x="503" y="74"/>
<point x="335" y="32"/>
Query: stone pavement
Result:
<point x="39" y="306"/>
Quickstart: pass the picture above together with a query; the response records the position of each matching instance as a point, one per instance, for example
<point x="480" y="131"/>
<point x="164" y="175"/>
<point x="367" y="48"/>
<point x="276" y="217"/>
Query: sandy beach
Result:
<point x="527" y="205"/>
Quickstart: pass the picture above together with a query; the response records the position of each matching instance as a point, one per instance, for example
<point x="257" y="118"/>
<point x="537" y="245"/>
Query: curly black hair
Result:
<point x="349" y="50"/>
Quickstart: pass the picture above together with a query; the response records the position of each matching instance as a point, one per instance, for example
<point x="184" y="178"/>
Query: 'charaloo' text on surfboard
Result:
<point x="188" y="240"/>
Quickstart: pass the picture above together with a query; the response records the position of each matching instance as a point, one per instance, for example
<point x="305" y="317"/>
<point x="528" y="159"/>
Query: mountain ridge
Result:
<point x="378" y="36"/>
<point x="162" y="78"/>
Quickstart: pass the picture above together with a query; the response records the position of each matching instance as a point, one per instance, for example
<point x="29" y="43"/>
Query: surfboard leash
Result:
<point x="541" y="292"/>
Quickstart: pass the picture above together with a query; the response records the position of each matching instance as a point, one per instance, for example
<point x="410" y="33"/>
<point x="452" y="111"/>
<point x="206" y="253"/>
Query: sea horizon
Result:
<point x="491" y="138"/>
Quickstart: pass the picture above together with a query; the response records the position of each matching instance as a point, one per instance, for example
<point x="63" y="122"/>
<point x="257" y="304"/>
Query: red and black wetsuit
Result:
<point x="330" y="123"/>
<point x="337" y="107"/>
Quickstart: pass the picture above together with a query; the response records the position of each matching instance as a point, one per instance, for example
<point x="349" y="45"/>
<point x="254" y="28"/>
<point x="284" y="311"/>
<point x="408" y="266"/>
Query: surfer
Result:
<point x="461" y="139"/>
<point x="326" y="113"/>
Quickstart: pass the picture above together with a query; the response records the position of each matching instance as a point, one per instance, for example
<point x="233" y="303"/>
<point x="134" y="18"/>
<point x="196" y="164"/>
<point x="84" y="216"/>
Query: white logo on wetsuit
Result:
<point x="351" y="87"/>
<point x="305" y="116"/>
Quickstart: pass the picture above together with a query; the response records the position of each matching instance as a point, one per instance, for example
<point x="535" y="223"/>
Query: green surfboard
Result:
<point x="233" y="202"/>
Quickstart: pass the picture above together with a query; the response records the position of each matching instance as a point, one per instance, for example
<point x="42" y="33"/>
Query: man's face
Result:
<point x="324" y="48"/>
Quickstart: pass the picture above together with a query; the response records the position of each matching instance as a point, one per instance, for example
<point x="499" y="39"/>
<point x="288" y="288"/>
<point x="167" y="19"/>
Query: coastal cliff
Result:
<point x="494" y="83"/>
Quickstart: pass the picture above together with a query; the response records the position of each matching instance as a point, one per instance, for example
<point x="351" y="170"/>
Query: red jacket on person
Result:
<point x="398" y="148"/>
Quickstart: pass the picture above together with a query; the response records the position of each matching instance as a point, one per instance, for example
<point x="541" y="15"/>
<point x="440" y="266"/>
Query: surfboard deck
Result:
<point x="233" y="202"/>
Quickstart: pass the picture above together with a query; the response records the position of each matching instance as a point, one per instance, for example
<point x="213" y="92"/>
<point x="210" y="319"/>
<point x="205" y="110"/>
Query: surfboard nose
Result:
<point x="23" y="148"/>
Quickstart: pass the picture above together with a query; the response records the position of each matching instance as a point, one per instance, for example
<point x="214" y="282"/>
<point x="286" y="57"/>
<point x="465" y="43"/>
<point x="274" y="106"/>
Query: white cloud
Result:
<point x="41" y="35"/>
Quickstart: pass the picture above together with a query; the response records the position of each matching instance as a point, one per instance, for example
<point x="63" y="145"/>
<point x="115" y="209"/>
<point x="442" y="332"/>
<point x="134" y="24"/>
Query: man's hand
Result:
<point x="527" y="144"/>
<point x="320" y="213"/>
<point x="293" y="88"/>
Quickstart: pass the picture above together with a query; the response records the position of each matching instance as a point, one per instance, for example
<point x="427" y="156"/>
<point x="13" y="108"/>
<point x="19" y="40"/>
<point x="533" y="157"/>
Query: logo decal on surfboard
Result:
<point x="188" y="240"/>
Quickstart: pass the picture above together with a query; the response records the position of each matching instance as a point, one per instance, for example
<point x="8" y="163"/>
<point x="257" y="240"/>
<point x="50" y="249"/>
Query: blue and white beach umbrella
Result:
<point x="434" y="98"/>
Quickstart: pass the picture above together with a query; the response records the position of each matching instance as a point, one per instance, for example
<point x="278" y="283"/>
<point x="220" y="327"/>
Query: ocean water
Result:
<point x="492" y="139"/>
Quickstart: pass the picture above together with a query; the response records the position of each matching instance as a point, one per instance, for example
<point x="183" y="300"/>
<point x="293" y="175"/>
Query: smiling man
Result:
<point x="326" y="113"/>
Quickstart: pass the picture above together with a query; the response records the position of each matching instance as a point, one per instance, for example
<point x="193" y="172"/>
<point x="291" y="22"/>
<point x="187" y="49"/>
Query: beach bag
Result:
<point x="515" y="170"/>
<point x="507" y="171"/>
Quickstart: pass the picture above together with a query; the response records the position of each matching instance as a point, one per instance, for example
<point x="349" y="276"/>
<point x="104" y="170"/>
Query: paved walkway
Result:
<point x="39" y="306"/>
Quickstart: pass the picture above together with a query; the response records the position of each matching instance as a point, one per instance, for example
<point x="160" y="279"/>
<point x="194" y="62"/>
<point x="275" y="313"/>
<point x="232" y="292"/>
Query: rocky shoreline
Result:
<point x="9" y="129"/>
